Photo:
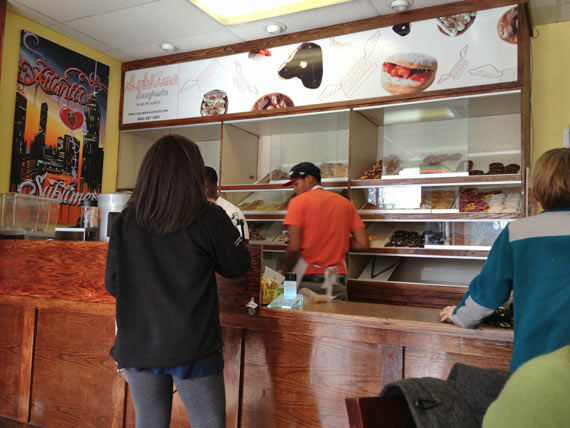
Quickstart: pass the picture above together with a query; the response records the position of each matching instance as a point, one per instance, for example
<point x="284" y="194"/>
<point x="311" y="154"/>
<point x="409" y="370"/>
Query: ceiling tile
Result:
<point x="184" y="44"/>
<point x="544" y="15"/>
<point x="30" y="14"/>
<point x="120" y="55"/>
<point x="330" y="15"/>
<point x="67" y="10"/>
<point x="80" y="37"/>
<point x="564" y="12"/>
<point x="151" y="22"/>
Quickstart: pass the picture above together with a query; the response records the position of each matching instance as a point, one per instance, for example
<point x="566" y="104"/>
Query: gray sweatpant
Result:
<point x="203" y="397"/>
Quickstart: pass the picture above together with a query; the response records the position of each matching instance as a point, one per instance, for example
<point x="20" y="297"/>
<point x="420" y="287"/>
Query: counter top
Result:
<point x="388" y="317"/>
<point x="75" y="271"/>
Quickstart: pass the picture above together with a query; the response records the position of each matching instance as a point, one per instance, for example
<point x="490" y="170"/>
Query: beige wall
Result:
<point x="10" y="56"/>
<point x="551" y="86"/>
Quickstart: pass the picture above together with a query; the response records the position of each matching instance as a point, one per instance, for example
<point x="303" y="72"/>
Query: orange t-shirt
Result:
<point x="326" y="220"/>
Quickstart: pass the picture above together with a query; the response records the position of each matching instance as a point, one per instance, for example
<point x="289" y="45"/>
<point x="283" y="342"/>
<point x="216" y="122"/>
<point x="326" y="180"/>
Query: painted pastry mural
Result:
<point x="406" y="73"/>
<point x="305" y="63"/>
<point x="460" y="50"/>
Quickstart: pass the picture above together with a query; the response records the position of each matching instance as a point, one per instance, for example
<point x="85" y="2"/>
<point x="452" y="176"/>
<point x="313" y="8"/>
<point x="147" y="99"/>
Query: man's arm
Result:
<point x="292" y="253"/>
<point x="359" y="240"/>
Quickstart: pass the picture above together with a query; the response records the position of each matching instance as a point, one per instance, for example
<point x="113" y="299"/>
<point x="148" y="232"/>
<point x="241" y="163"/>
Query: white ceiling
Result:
<point x="133" y="29"/>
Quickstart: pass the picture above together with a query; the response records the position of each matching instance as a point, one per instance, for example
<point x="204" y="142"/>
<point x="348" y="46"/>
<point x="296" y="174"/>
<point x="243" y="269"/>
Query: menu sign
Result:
<point x="151" y="94"/>
<point x="455" y="51"/>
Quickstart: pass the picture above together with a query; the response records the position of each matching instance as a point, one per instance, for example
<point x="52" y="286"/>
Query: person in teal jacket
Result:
<point x="531" y="258"/>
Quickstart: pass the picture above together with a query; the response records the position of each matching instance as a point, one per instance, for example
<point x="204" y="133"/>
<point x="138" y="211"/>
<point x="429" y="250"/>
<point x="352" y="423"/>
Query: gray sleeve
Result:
<point x="470" y="314"/>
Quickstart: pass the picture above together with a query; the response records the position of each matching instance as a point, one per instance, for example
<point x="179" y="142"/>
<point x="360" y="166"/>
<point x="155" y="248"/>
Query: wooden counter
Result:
<point x="284" y="368"/>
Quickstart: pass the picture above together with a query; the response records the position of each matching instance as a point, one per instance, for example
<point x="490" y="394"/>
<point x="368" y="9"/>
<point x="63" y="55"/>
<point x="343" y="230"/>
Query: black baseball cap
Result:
<point x="303" y="169"/>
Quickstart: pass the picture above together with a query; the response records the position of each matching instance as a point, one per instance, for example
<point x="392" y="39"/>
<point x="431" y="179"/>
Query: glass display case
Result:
<point x="261" y="201"/>
<point x="478" y="135"/>
<point x="425" y="199"/>
<point x="24" y="213"/>
<point x="262" y="151"/>
<point x="434" y="235"/>
<point x="435" y="182"/>
<point x="134" y="144"/>
<point x="267" y="233"/>
<point x="424" y="271"/>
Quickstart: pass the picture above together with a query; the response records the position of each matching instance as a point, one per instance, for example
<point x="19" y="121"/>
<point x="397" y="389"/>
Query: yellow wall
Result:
<point x="551" y="86"/>
<point x="10" y="56"/>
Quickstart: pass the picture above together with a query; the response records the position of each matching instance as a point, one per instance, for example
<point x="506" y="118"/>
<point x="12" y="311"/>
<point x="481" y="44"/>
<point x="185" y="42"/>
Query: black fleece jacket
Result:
<point x="167" y="307"/>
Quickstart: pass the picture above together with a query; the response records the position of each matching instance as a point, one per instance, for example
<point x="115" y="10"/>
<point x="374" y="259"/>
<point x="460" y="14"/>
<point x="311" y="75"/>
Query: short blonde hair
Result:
<point x="551" y="179"/>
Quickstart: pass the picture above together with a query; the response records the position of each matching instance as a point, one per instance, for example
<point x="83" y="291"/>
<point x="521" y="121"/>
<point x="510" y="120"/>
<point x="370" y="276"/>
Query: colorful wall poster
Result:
<point x="462" y="50"/>
<point x="59" y="125"/>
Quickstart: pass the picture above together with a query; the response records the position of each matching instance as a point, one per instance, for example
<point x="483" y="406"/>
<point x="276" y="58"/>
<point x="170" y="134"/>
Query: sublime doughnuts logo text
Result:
<point x="306" y="63"/>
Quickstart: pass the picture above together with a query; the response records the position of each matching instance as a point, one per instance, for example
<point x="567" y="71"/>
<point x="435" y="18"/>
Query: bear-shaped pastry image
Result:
<point x="306" y="63"/>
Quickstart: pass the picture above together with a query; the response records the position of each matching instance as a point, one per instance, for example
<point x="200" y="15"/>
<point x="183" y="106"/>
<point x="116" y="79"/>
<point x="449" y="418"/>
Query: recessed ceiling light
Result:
<point x="400" y="5"/>
<point x="168" y="47"/>
<point x="231" y="12"/>
<point x="275" y="28"/>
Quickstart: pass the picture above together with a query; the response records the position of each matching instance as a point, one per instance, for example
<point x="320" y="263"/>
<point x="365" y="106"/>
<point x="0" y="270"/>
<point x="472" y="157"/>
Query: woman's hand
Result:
<point x="446" y="314"/>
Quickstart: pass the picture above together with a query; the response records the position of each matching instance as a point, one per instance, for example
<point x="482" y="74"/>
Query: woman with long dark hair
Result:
<point x="164" y="250"/>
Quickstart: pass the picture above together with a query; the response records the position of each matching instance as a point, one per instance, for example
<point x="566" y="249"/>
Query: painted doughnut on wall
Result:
<point x="305" y="63"/>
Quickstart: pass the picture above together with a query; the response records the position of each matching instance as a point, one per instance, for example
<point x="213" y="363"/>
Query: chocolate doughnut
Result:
<point x="508" y="25"/>
<point x="271" y="101"/>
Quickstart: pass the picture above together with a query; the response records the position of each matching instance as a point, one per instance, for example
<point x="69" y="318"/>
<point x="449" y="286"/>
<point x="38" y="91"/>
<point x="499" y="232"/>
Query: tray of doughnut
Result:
<point x="266" y="201"/>
<point x="374" y="172"/>
<point x="333" y="170"/>
<point x="436" y="201"/>
<point x="264" y="231"/>
<point x="473" y="200"/>
<point x="439" y="200"/>
<point x="494" y="168"/>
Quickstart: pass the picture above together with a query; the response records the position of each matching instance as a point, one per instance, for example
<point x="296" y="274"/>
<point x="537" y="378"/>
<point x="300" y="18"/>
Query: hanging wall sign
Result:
<point x="455" y="51"/>
<point x="59" y="124"/>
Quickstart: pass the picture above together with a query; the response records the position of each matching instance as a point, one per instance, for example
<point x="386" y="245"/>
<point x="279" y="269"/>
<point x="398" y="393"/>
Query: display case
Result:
<point x="28" y="215"/>
<point x="262" y="151"/>
<point x="134" y="144"/>
<point x="435" y="182"/>
<point x="450" y="138"/>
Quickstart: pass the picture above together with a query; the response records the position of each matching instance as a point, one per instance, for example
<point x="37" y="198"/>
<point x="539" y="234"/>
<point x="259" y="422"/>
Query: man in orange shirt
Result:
<point x="320" y="224"/>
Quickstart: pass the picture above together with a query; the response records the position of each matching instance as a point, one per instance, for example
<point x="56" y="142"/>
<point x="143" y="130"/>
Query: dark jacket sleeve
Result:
<point x="231" y="256"/>
<point x="111" y="270"/>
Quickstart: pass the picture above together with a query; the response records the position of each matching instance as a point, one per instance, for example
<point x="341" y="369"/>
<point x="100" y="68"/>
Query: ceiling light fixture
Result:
<point x="168" y="47"/>
<point x="393" y="117"/>
<point x="400" y="5"/>
<point x="231" y="12"/>
<point x="275" y="28"/>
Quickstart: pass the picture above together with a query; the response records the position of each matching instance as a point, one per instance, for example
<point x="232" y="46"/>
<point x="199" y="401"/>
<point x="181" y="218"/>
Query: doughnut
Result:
<point x="406" y="73"/>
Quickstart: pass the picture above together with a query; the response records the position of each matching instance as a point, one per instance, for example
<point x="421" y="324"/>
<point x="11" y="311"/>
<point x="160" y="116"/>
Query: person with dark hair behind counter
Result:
<point x="233" y="212"/>
<point x="531" y="258"/>
<point x="164" y="251"/>
<point x="320" y="224"/>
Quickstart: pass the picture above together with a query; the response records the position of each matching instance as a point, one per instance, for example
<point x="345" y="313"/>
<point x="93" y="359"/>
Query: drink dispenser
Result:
<point x="110" y="205"/>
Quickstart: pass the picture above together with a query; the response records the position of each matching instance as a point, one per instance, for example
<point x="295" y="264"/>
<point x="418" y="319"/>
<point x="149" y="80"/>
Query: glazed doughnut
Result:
<point x="455" y="25"/>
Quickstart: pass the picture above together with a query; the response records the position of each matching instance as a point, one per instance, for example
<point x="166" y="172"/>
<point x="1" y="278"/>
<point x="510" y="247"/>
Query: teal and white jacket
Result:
<point x="531" y="258"/>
